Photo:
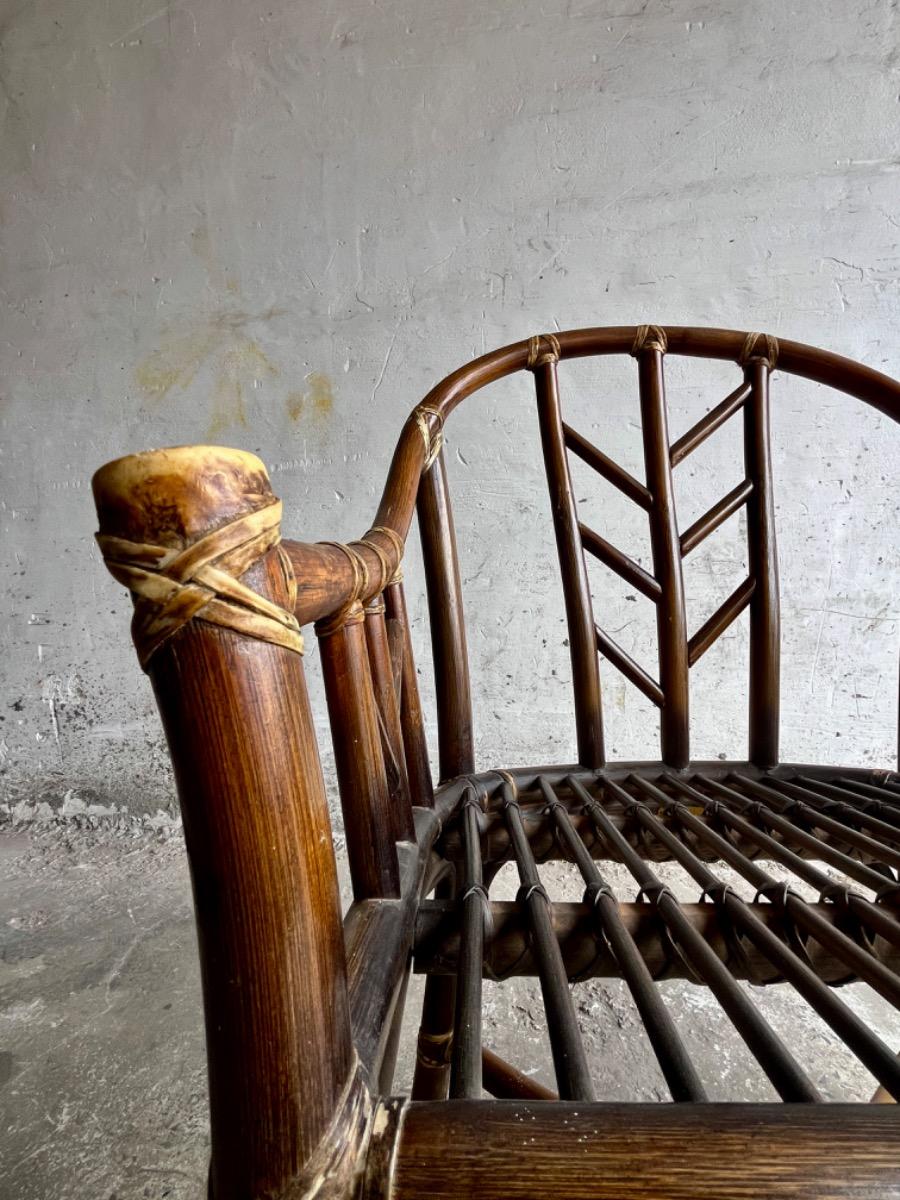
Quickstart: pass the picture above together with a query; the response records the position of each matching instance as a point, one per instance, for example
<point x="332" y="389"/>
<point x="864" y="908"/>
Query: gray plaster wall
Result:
<point x="275" y="225"/>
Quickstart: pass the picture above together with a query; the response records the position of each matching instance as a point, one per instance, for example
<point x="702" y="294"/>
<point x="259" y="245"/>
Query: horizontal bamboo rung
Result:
<point x="437" y="942"/>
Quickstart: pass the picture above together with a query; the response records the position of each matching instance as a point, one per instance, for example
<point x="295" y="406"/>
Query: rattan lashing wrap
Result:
<point x="351" y="611"/>
<point x="171" y="586"/>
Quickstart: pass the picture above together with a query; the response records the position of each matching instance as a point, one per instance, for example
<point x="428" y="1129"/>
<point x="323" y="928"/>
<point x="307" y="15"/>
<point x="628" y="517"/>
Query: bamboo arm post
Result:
<point x="359" y="761"/>
<point x="415" y="748"/>
<point x="388" y="713"/>
<point x="241" y="737"/>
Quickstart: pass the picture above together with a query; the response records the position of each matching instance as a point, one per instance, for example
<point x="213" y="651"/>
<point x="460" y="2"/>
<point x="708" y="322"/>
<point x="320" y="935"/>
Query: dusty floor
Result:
<point x="102" y="1078"/>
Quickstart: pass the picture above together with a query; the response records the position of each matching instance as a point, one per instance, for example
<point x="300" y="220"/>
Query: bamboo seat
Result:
<point x="789" y="874"/>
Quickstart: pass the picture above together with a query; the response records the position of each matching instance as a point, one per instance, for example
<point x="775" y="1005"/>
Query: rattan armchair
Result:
<point x="303" y="1009"/>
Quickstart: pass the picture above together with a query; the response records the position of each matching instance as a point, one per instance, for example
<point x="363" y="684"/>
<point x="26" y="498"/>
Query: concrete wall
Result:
<point x="275" y="225"/>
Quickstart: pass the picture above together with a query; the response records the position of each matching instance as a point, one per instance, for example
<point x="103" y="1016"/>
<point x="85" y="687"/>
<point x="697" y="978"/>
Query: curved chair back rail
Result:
<point x="304" y="1011"/>
<point x="417" y="477"/>
<point x="326" y="580"/>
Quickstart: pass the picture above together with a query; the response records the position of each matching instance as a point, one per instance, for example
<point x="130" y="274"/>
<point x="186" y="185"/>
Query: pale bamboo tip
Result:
<point x="169" y="497"/>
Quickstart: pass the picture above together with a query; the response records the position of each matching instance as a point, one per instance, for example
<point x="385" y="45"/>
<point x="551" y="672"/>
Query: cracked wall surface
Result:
<point x="276" y="226"/>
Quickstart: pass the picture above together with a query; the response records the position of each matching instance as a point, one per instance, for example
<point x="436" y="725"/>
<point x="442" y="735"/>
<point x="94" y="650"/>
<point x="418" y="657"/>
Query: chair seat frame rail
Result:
<point x="797" y="866"/>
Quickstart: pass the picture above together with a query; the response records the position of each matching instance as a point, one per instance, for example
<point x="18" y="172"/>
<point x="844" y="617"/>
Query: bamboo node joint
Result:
<point x="649" y="337"/>
<point x="759" y="347"/>
<point x="539" y="353"/>
<point x="433" y="441"/>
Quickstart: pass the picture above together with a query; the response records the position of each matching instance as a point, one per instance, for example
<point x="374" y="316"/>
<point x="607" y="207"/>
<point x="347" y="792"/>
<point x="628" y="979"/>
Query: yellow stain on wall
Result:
<point x="237" y="368"/>
<point x="317" y="400"/>
<point x="236" y="363"/>
<point x="175" y="364"/>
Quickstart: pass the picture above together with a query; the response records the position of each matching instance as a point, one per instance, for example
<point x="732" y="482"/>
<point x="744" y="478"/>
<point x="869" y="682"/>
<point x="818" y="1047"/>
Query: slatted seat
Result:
<point x="789" y="873"/>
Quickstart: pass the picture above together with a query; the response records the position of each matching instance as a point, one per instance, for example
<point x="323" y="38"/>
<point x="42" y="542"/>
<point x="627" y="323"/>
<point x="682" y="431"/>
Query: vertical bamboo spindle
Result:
<point x="415" y="747"/>
<point x="765" y="620"/>
<point x="388" y="715"/>
<point x="671" y="622"/>
<point x="576" y="587"/>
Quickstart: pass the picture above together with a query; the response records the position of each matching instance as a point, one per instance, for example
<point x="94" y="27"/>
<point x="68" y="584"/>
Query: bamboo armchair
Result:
<point x="303" y="1010"/>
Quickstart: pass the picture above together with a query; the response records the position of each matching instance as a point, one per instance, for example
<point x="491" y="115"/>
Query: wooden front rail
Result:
<point x="514" y="1150"/>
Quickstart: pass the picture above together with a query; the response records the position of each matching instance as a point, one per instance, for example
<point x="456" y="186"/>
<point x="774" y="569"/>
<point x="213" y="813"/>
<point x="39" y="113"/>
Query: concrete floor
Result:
<point x="102" y="1076"/>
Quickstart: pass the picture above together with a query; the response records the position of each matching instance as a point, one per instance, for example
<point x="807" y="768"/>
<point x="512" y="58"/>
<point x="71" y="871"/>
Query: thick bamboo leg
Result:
<point x="435" y="1044"/>
<point x="240" y="732"/>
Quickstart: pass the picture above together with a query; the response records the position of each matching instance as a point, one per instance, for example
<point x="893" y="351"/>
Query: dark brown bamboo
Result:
<point x="242" y="741"/>
<point x="630" y="669"/>
<point x="434" y="1045"/>
<point x="859" y="961"/>
<point x="511" y="954"/>
<point x="677" y="1068"/>
<point x="359" y="763"/>
<point x="415" y="747"/>
<point x="858" y="815"/>
<point x="576" y="588"/>
<point x="399" y="495"/>
<point x="714" y="517"/>
<point x="866" y="1045"/>
<point x="671" y="623"/>
<point x="872" y="916"/>
<point x="725" y="615"/>
<point x="455" y="739"/>
<point x="465" y="1067"/>
<point x="388" y="714"/>
<point x="847" y="790"/>
<point x="708" y="423"/>
<point x="448" y="630"/>
<point x="767" y="1048"/>
<point x="886" y="793"/>
<point x="516" y="1150"/>
<point x="818" y="847"/>
<point x="495" y="838"/>
<point x="868" y="848"/>
<point x="611" y="471"/>
<point x="765" y="613"/>
<point x="623" y="566"/>
<point x="820" y="366"/>
<point x="378" y="935"/>
<point x="505" y="1082"/>
<point x="573" y="1077"/>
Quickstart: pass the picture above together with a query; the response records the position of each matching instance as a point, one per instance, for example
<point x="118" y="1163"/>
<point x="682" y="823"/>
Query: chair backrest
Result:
<point x="679" y="648"/>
